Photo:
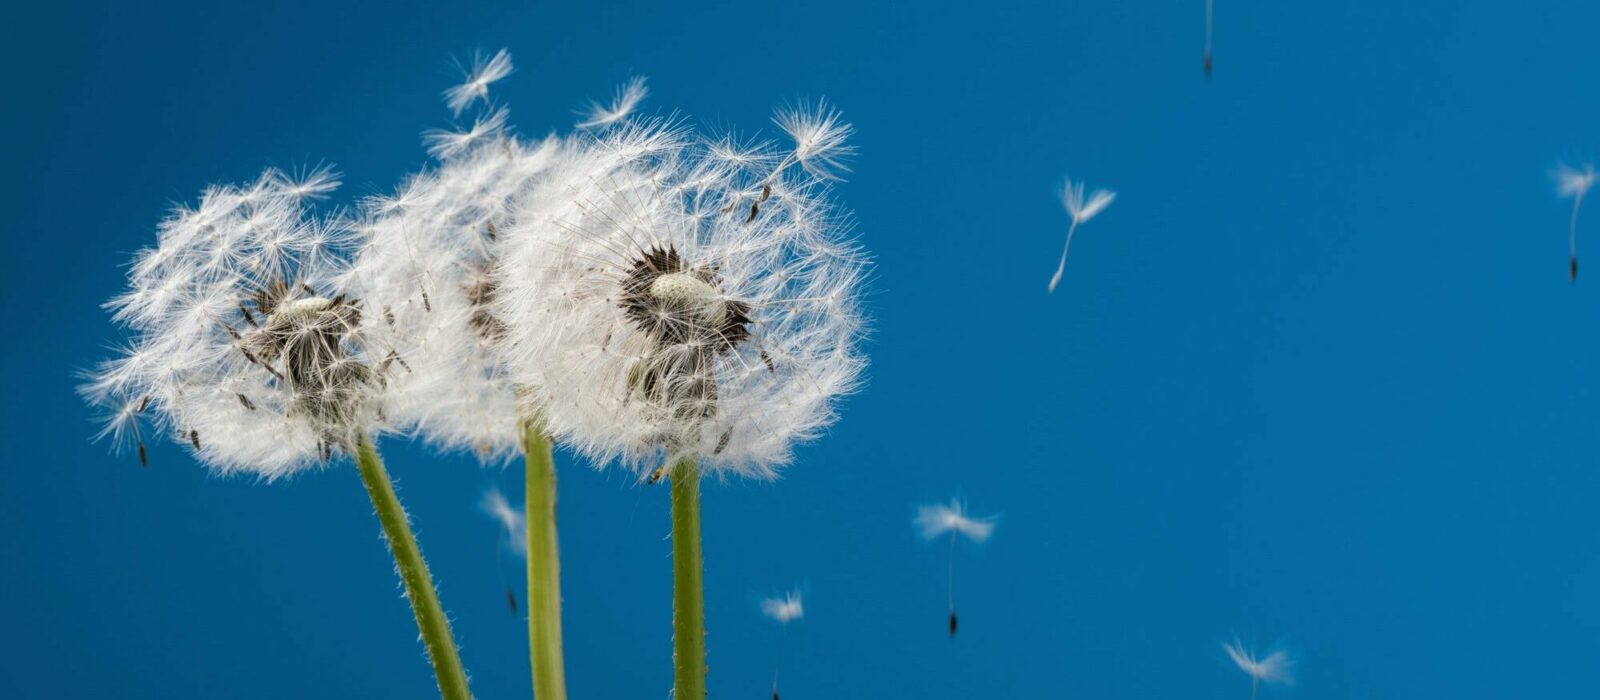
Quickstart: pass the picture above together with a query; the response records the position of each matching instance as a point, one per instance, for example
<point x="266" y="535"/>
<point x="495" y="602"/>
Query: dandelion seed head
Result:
<point x="425" y="270"/>
<point x="663" y="301"/>
<point x="240" y="346"/>
<point x="936" y="520"/>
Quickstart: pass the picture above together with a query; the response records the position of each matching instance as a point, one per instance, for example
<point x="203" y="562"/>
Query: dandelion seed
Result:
<point x="476" y="86"/>
<point x="626" y="100"/>
<point x="445" y="144"/>
<point x="937" y="520"/>
<point x="1207" y="63"/>
<point x="1574" y="183"/>
<point x="821" y="138"/>
<point x="511" y="536"/>
<point x="783" y="611"/>
<point x="1081" y="210"/>
<point x="1272" y="669"/>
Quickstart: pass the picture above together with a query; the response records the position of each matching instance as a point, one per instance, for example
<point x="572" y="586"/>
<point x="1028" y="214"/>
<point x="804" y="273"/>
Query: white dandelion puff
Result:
<point x="933" y="521"/>
<point x="1081" y="209"/>
<point x="627" y="99"/>
<point x="663" y="304"/>
<point x="476" y="85"/>
<point x="821" y="138"/>
<point x="446" y="143"/>
<point x="425" y="271"/>
<point x="1274" y="668"/>
<point x="244" y="348"/>
<point x="1574" y="183"/>
<point x="783" y="611"/>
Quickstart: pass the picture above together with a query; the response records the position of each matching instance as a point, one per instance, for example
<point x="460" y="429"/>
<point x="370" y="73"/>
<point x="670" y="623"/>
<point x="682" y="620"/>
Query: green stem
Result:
<point x="544" y="567"/>
<point x="688" y="597"/>
<point x="431" y="620"/>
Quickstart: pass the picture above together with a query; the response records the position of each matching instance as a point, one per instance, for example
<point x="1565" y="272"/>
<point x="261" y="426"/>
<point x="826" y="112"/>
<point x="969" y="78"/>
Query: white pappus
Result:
<point x="244" y="347"/>
<point x="672" y="297"/>
<point x="934" y="521"/>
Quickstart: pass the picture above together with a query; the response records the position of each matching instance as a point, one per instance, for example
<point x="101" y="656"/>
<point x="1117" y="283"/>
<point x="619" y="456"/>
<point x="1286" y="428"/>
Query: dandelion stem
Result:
<point x="688" y="597"/>
<point x="544" y="566"/>
<point x="431" y="620"/>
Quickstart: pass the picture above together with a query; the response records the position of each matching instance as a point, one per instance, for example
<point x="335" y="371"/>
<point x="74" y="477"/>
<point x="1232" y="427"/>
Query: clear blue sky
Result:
<point x="1318" y="375"/>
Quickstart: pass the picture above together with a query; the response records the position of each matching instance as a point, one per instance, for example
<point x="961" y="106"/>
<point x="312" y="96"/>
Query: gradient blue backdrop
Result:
<point x="1317" y="376"/>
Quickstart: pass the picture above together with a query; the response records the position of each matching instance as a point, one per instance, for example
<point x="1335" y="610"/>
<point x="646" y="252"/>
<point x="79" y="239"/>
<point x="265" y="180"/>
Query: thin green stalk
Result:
<point x="544" y="567"/>
<point x="431" y="620"/>
<point x="688" y="597"/>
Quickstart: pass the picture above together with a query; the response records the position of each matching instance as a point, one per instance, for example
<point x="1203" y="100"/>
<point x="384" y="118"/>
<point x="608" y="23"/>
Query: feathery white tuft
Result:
<point x="1573" y="182"/>
<point x="821" y="138"/>
<point x="663" y="302"/>
<point x="244" y="347"/>
<point x="1274" y="668"/>
<point x="476" y="85"/>
<point x="627" y="99"/>
<point x="424" y="269"/>
<point x="784" y="610"/>
<point x="936" y="520"/>
<point x="512" y="522"/>
<point x="446" y="144"/>
<point x="1081" y="209"/>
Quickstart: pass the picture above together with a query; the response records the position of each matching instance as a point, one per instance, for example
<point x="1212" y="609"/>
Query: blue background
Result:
<point x="1317" y="376"/>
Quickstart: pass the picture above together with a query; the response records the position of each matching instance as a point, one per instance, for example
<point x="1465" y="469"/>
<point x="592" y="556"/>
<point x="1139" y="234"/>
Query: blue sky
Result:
<point x="1317" y="376"/>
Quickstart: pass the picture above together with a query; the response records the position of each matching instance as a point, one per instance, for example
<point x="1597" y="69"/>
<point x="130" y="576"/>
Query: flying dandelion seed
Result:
<point x="1272" y="669"/>
<point x="476" y="85"/>
<point x="1207" y="63"/>
<point x="936" y="520"/>
<point x="783" y="611"/>
<point x="626" y="100"/>
<point x="510" y="536"/>
<point x="1081" y="210"/>
<point x="1574" y="183"/>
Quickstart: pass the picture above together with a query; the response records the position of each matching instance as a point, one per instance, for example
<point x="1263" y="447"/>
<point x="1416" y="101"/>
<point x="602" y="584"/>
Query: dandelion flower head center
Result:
<point x="690" y="297"/>
<point x="675" y="303"/>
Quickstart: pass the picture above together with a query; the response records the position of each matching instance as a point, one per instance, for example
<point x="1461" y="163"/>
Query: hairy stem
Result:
<point x="544" y="566"/>
<point x="688" y="598"/>
<point x="431" y="620"/>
